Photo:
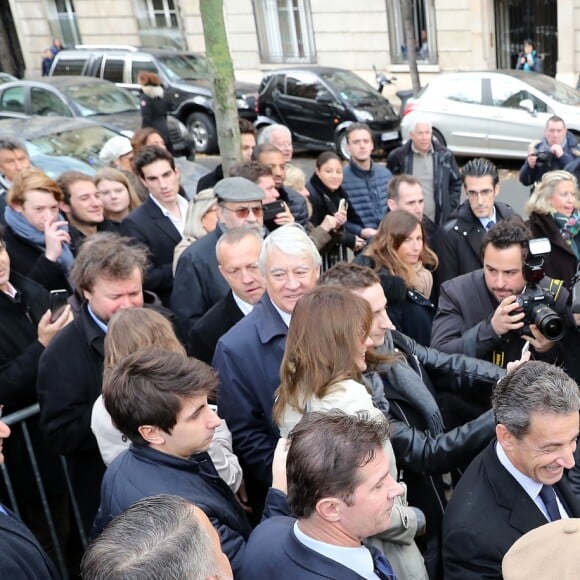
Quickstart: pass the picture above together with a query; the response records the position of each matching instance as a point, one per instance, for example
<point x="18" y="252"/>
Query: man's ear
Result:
<point x="504" y="437"/>
<point x="64" y="207"/>
<point x="391" y="204"/>
<point x="328" y="508"/>
<point x="152" y="434"/>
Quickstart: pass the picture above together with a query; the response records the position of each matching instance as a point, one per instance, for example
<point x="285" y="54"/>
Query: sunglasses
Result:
<point x="244" y="212"/>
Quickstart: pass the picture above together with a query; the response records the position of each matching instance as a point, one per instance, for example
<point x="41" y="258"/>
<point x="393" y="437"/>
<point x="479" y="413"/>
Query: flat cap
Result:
<point x="114" y="148"/>
<point x="238" y="189"/>
<point x="550" y="552"/>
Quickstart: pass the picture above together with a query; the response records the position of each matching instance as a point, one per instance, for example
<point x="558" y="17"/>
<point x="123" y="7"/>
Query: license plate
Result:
<point x="389" y="136"/>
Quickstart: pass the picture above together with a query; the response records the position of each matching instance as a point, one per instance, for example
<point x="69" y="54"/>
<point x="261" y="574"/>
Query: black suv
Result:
<point x="185" y="77"/>
<point x="318" y="104"/>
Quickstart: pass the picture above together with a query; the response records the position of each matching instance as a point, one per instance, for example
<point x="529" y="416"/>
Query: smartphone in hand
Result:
<point x="57" y="303"/>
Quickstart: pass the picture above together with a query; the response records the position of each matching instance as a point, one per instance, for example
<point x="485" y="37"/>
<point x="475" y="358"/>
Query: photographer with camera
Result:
<point x="553" y="152"/>
<point x="499" y="312"/>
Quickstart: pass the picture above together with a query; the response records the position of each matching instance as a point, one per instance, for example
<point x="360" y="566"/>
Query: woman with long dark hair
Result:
<point x="404" y="262"/>
<point x="328" y="197"/>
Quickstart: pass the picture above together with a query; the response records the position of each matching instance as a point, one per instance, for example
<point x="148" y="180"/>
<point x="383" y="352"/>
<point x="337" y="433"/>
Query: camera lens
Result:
<point x="549" y="323"/>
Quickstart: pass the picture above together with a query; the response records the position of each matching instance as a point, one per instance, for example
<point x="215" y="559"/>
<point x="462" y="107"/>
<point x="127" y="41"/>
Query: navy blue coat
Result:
<point x="142" y="472"/>
<point x="21" y="556"/>
<point x="367" y="192"/>
<point x="274" y="552"/>
<point x="248" y="360"/>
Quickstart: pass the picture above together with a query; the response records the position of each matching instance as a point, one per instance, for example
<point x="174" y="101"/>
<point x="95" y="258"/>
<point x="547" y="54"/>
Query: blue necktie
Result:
<point x="489" y="225"/>
<point x="548" y="496"/>
<point x="383" y="568"/>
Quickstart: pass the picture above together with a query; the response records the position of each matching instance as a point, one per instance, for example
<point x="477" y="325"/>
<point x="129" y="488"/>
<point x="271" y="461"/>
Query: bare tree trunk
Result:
<point x="407" y="6"/>
<point x="222" y="73"/>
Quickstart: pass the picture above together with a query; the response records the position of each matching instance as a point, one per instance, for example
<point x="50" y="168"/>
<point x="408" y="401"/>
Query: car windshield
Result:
<point x="555" y="89"/>
<point x="350" y="87"/>
<point x="101" y="99"/>
<point x="185" y="67"/>
<point x="82" y="143"/>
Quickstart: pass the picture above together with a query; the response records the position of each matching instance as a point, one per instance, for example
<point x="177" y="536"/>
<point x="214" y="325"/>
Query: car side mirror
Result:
<point x="527" y="105"/>
<point x="323" y="98"/>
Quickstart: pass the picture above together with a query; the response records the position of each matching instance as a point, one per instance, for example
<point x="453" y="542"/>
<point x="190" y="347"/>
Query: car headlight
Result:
<point x="241" y="103"/>
<point x="362" y="115"/>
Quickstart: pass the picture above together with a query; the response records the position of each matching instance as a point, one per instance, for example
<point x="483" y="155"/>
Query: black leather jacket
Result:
<point x="421" y="456"/>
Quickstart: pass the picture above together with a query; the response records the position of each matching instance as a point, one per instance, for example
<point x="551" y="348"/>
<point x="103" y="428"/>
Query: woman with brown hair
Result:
<point x="119" y="197"/>
<point x="324" y="358"/>
<point x="36" y="235"/>
<point x="154" y="106"/>
<point x="404" y="262"/>
<point x="129" y="331"/>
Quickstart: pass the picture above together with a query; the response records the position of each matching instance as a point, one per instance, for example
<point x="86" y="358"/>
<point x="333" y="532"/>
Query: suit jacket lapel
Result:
<point x="525" y="514"/>
<point x="161" y="221"/>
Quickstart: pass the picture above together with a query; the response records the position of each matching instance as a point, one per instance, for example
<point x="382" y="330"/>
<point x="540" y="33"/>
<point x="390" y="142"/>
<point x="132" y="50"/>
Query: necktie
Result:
<point x="548" y="496"/>
<point x="383" y="568"/>
<point x="489" y="225"/>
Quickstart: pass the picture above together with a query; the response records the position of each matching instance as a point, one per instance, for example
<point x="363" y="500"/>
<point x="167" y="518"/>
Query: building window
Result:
<point x="423" y="27"/>
<point x="62" y="20"/>
<point x="285" y="33"/>
<point x="159" y="24"/>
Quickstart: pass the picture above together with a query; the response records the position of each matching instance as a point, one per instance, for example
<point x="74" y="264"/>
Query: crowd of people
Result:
<point x="362" y="373"/>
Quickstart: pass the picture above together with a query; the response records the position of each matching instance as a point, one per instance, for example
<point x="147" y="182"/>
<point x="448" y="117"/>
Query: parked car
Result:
<point x="57" y="144"/>
<point x="185" y="77"/>
<point x="493" y="113"/>
<point x="318" y="104"/>
<point x="98" y="100"/>
<point x="6" y="78"/>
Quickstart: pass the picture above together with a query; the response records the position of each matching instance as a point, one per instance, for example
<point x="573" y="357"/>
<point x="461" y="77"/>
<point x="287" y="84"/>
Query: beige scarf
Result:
<point x="423" y="280"/>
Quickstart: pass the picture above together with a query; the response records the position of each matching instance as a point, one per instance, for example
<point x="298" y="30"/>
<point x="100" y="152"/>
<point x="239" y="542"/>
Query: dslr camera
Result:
<point x="536" y="302"/>
<point x="543" y="155"/>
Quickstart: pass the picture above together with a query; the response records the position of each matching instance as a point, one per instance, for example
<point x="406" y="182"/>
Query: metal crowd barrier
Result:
<point x="19" y="420"/>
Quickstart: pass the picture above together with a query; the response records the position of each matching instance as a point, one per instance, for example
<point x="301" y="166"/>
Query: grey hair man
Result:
<point x="518" y="481"/>
<point x="279" y="136"/>
<point x="433" y="164"/>
<point x="163" y="536"/>
<point x="248" y="357"/>
<point x="13" y="159"/>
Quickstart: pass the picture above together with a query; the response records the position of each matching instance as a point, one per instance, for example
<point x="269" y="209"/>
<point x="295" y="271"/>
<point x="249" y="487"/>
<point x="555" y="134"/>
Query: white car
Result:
<point x="493" y="113"/>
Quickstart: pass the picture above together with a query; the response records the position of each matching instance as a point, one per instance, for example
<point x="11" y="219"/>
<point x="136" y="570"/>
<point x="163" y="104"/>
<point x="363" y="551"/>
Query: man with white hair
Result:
<point x="279" y="136"/>
<point x="248" y="356"/>
<point x="434" y="165"/>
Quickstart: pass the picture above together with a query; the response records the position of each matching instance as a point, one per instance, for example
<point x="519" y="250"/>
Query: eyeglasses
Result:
<point x="482" y="193"/>
<point x="244" y="212"/>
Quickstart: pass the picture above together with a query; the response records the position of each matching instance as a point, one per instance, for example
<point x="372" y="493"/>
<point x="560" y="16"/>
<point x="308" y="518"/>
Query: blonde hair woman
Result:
<point x="200" y="220"/>
<point x="119" y="197"/>
<point x="128" y="331"/>
<point x="553" y="211"/>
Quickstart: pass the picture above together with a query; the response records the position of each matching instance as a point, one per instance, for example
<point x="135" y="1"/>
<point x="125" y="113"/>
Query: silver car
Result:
<point x="494" y="113"/>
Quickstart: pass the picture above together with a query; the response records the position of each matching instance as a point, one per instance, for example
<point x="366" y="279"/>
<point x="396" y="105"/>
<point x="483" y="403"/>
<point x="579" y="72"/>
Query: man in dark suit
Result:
<point x="159" y="221"/>
<point x="237" y="253"/>
<point x="198" y="282"/>
<point x="108" y="273"/>
<point x="459" y="242"/>
<point x="517" y="483"/>
<point x="21" y="558"/>
<point x="340" y="490"/>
